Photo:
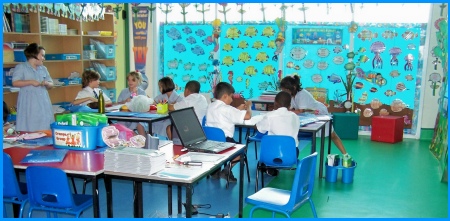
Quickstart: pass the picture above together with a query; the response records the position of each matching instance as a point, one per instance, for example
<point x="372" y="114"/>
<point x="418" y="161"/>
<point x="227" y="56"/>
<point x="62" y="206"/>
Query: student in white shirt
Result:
<point x="222" y="115"/>
<point x="192" y="98"/>
<point x="302" y="101"/>
<point x="280" y="121"/>
<point x="90" y="81"/>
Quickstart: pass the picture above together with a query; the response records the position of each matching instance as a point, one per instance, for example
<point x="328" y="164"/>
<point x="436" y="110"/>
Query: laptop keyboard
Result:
<point x="211" y="145"/>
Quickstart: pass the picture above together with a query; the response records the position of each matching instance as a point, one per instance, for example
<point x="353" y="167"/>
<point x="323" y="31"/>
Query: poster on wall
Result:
<point x="318" y="55"/>
<point x="140" y="26"/>
<point x="317" y="35"/>
<point x="246" y="58"/>
<point x="386" y="71"/>
<point x="187" y="55"/>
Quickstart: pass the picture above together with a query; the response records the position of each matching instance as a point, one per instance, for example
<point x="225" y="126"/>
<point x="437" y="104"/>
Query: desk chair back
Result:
<point x="256" y="138"/>
<point x="277" y="152"/>
<point x="13" y="191"/>
<point x="49" y="191"/>
<point x="214" y="133"/>
<point x="286" y="202"/>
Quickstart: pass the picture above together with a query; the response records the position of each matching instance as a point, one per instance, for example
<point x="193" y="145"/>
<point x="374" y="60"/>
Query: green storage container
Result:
<point x="346" y="125"/>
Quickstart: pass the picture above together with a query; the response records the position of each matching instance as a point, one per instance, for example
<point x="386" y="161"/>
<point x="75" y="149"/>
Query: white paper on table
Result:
<point x="323" y="117"/>
<point x="113" y="108"/>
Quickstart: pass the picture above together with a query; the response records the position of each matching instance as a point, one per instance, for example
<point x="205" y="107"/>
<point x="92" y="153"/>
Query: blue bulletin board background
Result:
<point x="317" y="52"/>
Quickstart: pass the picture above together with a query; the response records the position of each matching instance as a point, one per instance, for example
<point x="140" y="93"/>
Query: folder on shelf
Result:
<point x="44" y="156"/>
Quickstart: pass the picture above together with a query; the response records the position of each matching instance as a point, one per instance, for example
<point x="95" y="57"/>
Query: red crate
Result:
<point x="387" y="129"/>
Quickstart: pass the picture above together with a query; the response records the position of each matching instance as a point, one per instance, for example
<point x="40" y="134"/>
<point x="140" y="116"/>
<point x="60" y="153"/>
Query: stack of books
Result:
<point x="16" y="22"/>
<point x="134" y="160"/>
<point x="268" y="95"/>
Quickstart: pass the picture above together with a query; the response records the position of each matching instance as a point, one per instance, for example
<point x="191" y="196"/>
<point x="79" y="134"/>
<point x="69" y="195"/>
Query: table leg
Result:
<point x="330" y="124"/>
<point x="180" y="210"/>
<point x="95" y="200"/>
<point x="188" y="201"/>
<point x="241" y="185"/>
<point x="109" y="201"/>
<point x="313" y="144"/>
<point x="322" y="147"/>
<point x="137" y="200"/>
<point x="169" y="200"/>
<point x="150" y="128"/>
<point x="240" y="134"/>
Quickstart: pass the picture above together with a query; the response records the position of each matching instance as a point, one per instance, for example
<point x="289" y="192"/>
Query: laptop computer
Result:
<point x="192" y="135"/>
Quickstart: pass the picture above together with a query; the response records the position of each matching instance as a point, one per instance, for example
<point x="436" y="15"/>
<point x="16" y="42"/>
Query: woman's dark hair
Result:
<point x="292" y="84"/>
<point x="223" y="88"/>
<point x="88" y="76"/>
<point x="32" y="51"/>
<point x="166" y="84"/>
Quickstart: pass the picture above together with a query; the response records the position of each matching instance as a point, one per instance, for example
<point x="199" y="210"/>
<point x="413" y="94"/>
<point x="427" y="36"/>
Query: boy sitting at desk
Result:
<point x="302" y="100"/>
<point x="280" y="121"/>
<point x="192" y="98"/>
<point x="222" y="115"/>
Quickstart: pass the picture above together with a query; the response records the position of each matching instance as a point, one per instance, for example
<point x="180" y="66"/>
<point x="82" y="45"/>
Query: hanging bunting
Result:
<point x="73" y="11"/>
<point x="203" y="10"/>
<point x="224" y="11"/>
<point x="167" y="9"/>
<point x="183" y="10"/>
<point x="241" y="11"/>
<point x="303" y="9"/>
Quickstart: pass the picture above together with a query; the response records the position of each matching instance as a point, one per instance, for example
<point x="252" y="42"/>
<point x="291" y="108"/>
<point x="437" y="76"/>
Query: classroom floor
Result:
<point x="391" y="180"/>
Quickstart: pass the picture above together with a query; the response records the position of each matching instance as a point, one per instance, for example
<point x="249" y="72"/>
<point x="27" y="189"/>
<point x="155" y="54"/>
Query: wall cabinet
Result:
<point x="71" y="43"/>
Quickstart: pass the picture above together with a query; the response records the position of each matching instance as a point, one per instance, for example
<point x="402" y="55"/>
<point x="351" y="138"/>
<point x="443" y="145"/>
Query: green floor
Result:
<point x="391" y="180"/>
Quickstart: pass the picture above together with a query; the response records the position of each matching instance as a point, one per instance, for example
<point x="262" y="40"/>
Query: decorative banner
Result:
<point x="321" y="36"/>
<point x="140" y="48"/>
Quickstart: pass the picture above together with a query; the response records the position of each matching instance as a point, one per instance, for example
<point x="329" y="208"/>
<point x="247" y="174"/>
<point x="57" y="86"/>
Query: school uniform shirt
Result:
<point x="280" y="122"/>
<point x="224" y="116"/>
<point x="89" y="92"/>
<point x="34" y="107"/>
<point x="304" y="100"/>
<point x="125" y="94"/>
<point x="159" y="127"/>
<point x="197" y="101"/>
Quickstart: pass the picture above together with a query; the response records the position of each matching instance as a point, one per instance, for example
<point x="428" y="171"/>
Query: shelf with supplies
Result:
<point x="64" y="41"/>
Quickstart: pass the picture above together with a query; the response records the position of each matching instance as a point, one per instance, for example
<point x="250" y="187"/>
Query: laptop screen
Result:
<point x="187" y="125"/>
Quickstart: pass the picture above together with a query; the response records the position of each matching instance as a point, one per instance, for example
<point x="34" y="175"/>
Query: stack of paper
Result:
<point x="134" y="160"/>
<point x="166" y="146"/>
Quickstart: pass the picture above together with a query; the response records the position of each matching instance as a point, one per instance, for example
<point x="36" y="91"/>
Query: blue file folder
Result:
<point x="44" y="156"/>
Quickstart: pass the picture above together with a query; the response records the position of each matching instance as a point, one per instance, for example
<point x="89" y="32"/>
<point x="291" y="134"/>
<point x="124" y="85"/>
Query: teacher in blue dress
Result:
<point x="34" y="108"/>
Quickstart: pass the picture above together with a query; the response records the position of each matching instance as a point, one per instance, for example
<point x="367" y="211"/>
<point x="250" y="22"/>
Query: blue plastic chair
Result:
<point x="277" y="152"/>
<point x="214" y="133"/>
<point x="217" y="134"/>
<point x="13" y="191"/>
<point x="287" y="201"/>
<point x="49" y="190"/>
<point x="204" y="121"/>
<point x="255" y="138"/>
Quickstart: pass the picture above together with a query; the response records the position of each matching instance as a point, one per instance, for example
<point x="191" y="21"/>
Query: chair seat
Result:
<point x="270" y="196"/>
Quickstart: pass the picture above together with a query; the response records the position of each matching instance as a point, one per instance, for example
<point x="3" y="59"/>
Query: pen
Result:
<point x="193" y="163"/>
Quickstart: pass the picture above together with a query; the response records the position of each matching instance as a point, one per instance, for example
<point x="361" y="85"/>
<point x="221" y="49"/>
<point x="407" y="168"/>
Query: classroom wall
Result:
<point x="434" y="71"/>
<point x="153" y="65"/>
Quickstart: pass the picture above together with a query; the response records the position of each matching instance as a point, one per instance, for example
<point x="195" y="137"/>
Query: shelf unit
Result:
<point x="69" y="44"/>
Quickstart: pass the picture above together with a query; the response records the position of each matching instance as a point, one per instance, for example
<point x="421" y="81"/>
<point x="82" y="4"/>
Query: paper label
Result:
<point x="68" y="138"/>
